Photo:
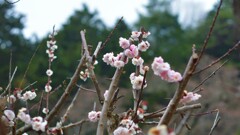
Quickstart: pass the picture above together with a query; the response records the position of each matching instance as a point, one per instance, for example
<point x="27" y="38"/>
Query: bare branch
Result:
<point x="183" y="122"/>
<point x="75" y="124"/>
<point x="215" y="123"/>
<point x="220" y="58"/>
<point x="10" y="82"/>
<point x="8" y="2"/>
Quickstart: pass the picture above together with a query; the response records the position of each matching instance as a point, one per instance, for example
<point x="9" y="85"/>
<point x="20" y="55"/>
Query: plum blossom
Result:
<point x="8" y="117"/>
<point x="127" y="127"/>
<point x="160" y="130"/>
<point x="135" y="35"/>
<point x="137" y="61"/>
<point x="143" y="46"/>
<point x="108" y="58"/>
<point x="11" y="99"/>
<point x="118" y="64"/>
<point x="124" y="43"/>
<point x="23" y="116"/>
<point x="163" y="69"/>
<point x="29" y="95"/>
<point x="48" y="88"/>
<point x="38" y="124"/>
<point x="145" y="34"/>
<point x="84" y="75"/>
<point x="137" y="81"/>
<point x="94" y="116"/>
<point x="132" y="51"/>
<point x="49" y="72"/>
<point x="45" y="110"/>
<point x="189" y="97"/>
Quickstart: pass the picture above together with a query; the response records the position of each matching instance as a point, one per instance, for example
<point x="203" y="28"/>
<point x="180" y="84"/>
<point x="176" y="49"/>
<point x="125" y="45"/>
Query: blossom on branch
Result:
<point x="94" y="116"/>
<point x="189" y="97"/>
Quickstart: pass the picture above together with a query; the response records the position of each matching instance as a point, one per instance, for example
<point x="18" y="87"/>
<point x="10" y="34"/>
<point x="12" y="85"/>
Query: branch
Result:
<point x="75" y="124"/>
<point x="178" y="110"/>
<point x="11" y="2"/>
<point x="216" y="121"/>
<point x="183" y="122"/>
<point x="208" y="77"/>
<point x="90" y="67"/>
<point x="209" y="33"/>
<point x="220" y="58"/>
<point x="112" y="88"/>
<point x="10" y="82"/>
<point x="182" y="85"/>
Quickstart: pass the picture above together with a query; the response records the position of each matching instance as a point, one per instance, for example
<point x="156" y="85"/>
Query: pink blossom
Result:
<point x="48" y="88"/>
<point x="189" y="97"/>
<point x="108" y="58"/>
<point x="23" y="116"/>
<point x="135" y="35"/>
<point x="121" y="131"/>
<point x="137" y="61"/>
<point x="11" y="99"/>
<point x="118" y="64"/>
<point x="8" y="117"/>
<point x="124" y="43"/>
<point x="145" y="34"/>
<point x="137" y="82"/>
<point x="38" y="124"/>
<point x="131" y="52"/>
<point x="143" y="46"/>
<point x="160" y="130"/>
<point x="45" y="110"/>
<point x="94" y="116"/>
<point x="174" y="76"/>
<point x="29" y="95"/>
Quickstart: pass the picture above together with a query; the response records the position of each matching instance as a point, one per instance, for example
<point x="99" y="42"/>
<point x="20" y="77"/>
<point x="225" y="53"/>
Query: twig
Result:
<point x="11" y="2"/>
<point x="10" y="71"/>
<point x="178" y="110"/>
<point x="10" y="81"/>
<point x="75" y="124"/>
<point x="90" y="68"/>
<point x="220" y="58"/>
<point x="30" y="85"/>
<point x="215" y="123"/>
<point x="111" y="33"/>
<point x="86" y="89"/>
<point x="28" y="66"/>
<point x="209" y="33"/>
<point x="63" y="119"/>
<point x="112" y="88"/>
<point x="191" y="66"/>
<point x="208" y="77"/>
<point x="183" y="122"/>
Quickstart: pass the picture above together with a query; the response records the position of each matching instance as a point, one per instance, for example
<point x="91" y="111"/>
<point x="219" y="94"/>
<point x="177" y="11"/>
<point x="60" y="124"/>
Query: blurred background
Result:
<point x="175" y="25"/>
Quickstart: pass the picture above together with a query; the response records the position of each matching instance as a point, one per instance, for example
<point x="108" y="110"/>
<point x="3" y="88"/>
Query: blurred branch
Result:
<point x="220" y="58"/>
<point x="183" y="123"/>
<point x="10" y="82"/>
<point x="75" y="124"/>
<point x="208" y="77"/>
<point x="178" y="110"/>
<point x="8" y="2"/>
<point x="90" y="67"/>
<point x="215" y="123"/>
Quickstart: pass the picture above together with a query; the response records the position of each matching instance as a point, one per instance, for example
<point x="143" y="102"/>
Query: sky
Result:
<point x="41" y="15"/>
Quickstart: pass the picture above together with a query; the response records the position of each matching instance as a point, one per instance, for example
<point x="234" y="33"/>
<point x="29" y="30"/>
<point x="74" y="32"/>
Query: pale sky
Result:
<point x="41" y="15"/>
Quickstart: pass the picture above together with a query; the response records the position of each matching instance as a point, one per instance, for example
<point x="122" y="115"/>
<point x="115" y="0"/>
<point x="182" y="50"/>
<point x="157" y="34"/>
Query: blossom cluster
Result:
<point x="51" y="48"/>
<point x="8" y="117"/>
<point x="189" y="97"/>
<point x="38" y="123"/>
<point x="164" y="70"/>
<point x="127" y="127"/>
<point x="94" y="116"/>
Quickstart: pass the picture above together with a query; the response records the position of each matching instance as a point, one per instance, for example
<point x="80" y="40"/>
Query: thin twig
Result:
<point x="215" y="123"/>
<point x="5" y="91"/>
<point x="220" y="58"/>
<point x="8" y="2"/>
<point x="178" y="110"/>
<point x="183" y="122"/>
<point x="10" y="71"/>
<point x="75" y="124"/>
<point x="86" y="89"/>
<point x="111" y="33"/>
<point x="63" y="119"/>
<point x="28" y="66"/>
<point x="208" y="77"/>
<point x="209" y="33"/>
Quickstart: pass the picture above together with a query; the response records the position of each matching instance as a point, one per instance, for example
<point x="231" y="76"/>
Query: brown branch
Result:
<point x="111" y="33"/>
<point x="111" y="91"/>
<point x="183" y="123"/>
<point x="220" y="58"/>
<point x="215" y="123"/>
<point x="75" y="124"/>
<point x="85" y="89"/>
<point x="178" y="110"/>
<point x="209" y="33"/>
<point x="182" y="85"/>
<point x="90" y="68"/>
<point x="208" y="77"/>
<point x="10" y="82"/>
